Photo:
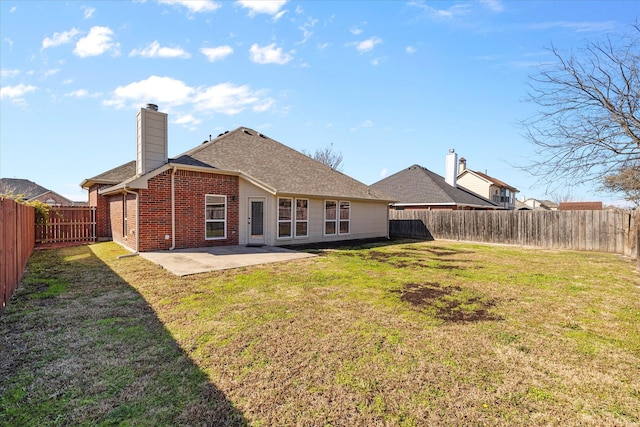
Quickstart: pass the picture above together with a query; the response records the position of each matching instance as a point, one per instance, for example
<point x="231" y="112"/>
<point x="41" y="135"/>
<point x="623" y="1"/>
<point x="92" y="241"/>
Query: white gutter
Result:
<point x="137" y="252"/>
<point x="173" y="209"/>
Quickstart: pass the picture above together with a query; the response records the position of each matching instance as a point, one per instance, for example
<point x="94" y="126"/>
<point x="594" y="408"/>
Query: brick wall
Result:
<point x="116" y="219"/>
<point x="103" y="224"/>
<point x="190" y="190"/>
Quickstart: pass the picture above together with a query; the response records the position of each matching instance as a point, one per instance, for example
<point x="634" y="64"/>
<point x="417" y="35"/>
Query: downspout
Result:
<point x="173" y="209"/>
<point x="137" y="252"/>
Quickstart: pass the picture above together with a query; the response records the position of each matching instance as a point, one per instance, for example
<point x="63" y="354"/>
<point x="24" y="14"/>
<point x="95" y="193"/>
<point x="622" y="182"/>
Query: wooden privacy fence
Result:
<point x="17" y="240"/>
<point x="68" y="224"/>
<point x="613" y="231"/>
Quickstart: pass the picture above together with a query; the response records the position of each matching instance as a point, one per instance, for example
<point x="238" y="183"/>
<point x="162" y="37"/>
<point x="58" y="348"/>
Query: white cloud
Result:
<point x="493" y="5"/>
<point x="579" y="27"/>
<point x="356" y="31"/>
<point x="452" y="12"/>
<point x="97" y="42"/>
<point x="59" y="38"/>
<point x="279" y="15"/>
<point x="88" y="11"/>
<point x="216" y="53"/>
<point x="269" y="54"/>
<point x="383" y="172"/>
<point x="227" y="98"/>
<point x="5" y="73"/>
<point x="160" y="90"/>
<point x="224" y="98"/>
<point x="270" y="7"/>
<point x="80" y="93"/>
<point x="365" y="124"/>
<point x="16" y="93"/>
<point x="194" y="6"/>
<point x="13" y="9"/>
<point x="187" y="120"/>
<point x="410" y="49"/>
<point x="51" y="72"/>
<point x="154" y="50"/>
<point x="323" y="46"/>
<point x="306" y="29"/>
<point x="367" y="45"/>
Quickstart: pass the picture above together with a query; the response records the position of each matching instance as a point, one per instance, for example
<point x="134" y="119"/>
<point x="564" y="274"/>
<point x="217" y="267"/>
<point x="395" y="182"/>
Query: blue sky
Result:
<point x="387" y="83"/>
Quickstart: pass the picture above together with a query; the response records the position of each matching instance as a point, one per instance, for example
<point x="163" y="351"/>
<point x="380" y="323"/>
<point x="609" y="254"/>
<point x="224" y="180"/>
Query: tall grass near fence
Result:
<point x="17" y="240"/>
<point x="613" y="231"/>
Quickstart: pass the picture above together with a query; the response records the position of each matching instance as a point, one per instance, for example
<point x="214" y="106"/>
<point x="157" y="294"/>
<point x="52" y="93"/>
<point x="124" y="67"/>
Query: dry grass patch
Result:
<point x="401" y="334"/>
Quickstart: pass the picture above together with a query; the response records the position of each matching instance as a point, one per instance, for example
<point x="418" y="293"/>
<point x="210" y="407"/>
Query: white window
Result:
<point x="285" y="217"/>
<point x="215" y="217"/>
<point x="337" y="217"/>
<point x="330" y="217"/>
<point x="302" y="217"/>
<point x="345" y="216"/>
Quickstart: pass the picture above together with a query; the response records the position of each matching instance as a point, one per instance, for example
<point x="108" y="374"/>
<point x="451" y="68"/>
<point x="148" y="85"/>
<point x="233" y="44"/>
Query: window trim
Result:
<point x="340" y="220"/>
<point x="223" y="221"/>
<point x="280" y="221"/>
<point x="334" y="221"/>
<point x="337" y="219"/>
<point x="296" y="220"/>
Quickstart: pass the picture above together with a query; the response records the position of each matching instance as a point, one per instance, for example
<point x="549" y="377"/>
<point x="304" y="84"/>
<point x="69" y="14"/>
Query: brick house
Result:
<point x="240" y="188"/>
<point x="418" y="188"/>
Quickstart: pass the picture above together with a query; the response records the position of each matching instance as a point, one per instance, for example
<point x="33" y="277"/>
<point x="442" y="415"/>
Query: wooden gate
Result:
<point x="68" y="224"/>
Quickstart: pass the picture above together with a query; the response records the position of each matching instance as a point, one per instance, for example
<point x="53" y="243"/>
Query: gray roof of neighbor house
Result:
<point x="418" y="185"/>
<point x="247" y="152"/>
<point x="24" y="187"/>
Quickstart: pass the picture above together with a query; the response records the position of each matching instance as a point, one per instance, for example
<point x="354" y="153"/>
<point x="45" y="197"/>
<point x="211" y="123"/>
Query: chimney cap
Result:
<point x="451" y="150"/>
<point x="152" y="107"/>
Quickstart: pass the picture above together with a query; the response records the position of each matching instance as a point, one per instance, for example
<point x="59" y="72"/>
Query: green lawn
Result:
<point x="401" y="334"/>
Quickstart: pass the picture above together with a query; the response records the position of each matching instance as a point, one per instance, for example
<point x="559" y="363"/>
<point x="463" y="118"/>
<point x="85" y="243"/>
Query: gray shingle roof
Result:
<point x="16" y="186"/>
<point x="284" y="169"/>
<point x="419" y="185"/>
<point x="113" y="176"/>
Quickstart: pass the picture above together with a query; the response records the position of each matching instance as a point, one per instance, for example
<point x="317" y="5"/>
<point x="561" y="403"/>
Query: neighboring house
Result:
<point x="29" y="191"/>
<point x="540" y="205"/>
<point x="239" y="188"/>
<point x="418" y="188"/>
<point x="486" y="186"/>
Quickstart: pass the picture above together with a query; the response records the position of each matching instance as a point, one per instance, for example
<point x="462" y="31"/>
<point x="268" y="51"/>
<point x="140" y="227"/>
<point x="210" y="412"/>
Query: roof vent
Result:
<point x="262" y="136"/>
<point x="152" y="107"/>
<point x="246" y="131"/>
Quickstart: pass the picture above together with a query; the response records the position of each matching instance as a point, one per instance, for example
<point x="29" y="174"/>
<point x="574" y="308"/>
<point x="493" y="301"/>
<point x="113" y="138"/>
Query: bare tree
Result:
<point x="327" y="156"/>
<point x="625" y="181"/>
<point x="588" y="119"/>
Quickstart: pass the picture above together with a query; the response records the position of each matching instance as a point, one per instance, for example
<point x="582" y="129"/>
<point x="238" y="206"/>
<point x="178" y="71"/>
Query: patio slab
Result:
<point x="183" y="262"/>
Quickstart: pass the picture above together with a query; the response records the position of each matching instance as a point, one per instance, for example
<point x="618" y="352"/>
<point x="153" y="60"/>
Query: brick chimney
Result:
<point x="151" y="139"/>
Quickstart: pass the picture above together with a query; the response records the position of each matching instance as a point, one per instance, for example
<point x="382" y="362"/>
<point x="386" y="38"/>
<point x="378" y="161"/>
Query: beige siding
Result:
<point x="368" y="219"/>
<point x="151" y="140"/>
<point x="475" y="184"/>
